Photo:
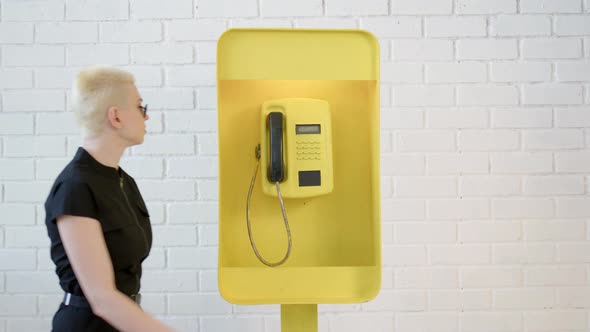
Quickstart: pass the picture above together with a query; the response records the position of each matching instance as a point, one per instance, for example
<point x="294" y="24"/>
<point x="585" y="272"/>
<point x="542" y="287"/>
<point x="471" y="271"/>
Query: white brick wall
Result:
<point x="485" y="141"/>
<point x="551" y="48"/>
<point x="34" y="10"/>
<point x="410" y="27"/>
<point x="96" y="10"/>
<point x="492" y="321"/>
<point x="551" y="6"/>
<point x="487" y="94"/>
<point x="572" y="71"/>
<point x="455" y="26"/>
<point x="74" y="32"/>
<point x="154" y="9"/>
<point x="130" y="32"/>
<point x="512" y="71"/>
<point x="16" y="33"/>
<point x="521" y="25"/>
<point x="352" y="7"/>
<point x="33" y="55"/>
<point x="83" y="55"/>
<point x="486" y="7"/>
<point x="572" y="25"/>
<point x="423" y="49"/>
<point x="421" y="7"/>
<point x="486" y="49"/>
<point x="464" y="72"/>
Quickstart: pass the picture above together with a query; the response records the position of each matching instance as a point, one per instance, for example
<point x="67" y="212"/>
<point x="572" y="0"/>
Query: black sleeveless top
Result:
<point x="87" y="188"/>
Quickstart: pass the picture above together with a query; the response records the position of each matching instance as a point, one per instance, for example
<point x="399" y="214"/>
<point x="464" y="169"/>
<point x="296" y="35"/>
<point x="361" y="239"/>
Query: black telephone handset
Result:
<point x="276" y="171"/>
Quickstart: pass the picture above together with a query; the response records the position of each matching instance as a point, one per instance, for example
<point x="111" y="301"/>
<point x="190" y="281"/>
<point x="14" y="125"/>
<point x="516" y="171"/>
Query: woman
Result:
<point x="96" y="218"/>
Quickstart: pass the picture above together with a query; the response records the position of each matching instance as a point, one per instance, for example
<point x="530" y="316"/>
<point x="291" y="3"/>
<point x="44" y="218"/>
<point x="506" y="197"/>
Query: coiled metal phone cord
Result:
<point x="257" y="152"/>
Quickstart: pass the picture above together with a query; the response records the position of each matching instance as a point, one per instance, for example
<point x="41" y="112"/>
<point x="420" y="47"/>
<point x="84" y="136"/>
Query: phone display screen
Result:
<point x="308" y="129"/>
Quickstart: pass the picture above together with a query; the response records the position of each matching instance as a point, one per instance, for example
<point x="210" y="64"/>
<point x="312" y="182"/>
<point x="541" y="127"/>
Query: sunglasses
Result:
<point x="144" y="109"/>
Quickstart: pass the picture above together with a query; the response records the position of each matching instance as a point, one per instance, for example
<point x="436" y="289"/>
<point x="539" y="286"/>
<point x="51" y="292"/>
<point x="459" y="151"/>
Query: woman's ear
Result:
<point x="113" y="116"/>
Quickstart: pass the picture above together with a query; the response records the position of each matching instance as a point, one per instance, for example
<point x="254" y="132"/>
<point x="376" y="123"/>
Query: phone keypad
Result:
<point x="308" y="149"/>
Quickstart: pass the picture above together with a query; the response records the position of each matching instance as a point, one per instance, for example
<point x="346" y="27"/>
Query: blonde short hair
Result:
<point x="95" y="89"/>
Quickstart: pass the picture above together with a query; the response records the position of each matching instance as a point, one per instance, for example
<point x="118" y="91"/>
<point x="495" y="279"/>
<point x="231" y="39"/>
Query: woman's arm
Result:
<point x="87" y="251"/>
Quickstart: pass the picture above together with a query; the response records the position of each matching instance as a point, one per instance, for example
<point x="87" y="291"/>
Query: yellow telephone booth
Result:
<point x="299" y="200"/>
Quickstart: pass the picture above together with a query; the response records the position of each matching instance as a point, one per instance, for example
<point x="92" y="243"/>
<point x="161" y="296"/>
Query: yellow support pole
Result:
<point x="299" y="317"/>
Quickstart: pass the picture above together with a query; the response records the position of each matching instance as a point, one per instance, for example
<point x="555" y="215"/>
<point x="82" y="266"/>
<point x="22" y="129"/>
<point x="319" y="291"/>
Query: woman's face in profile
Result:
<point x="132" y="116"/>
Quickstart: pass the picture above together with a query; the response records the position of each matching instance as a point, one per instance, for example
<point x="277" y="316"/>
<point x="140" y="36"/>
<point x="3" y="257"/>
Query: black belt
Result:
<point x="81" y="302"/>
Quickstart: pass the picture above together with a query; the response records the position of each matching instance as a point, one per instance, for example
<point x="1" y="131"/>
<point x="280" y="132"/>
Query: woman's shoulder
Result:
<point x="75" y="173"/>
<point x="75" y="177"/>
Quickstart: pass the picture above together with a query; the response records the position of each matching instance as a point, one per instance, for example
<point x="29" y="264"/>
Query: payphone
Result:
<point x="296" y="154"/>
